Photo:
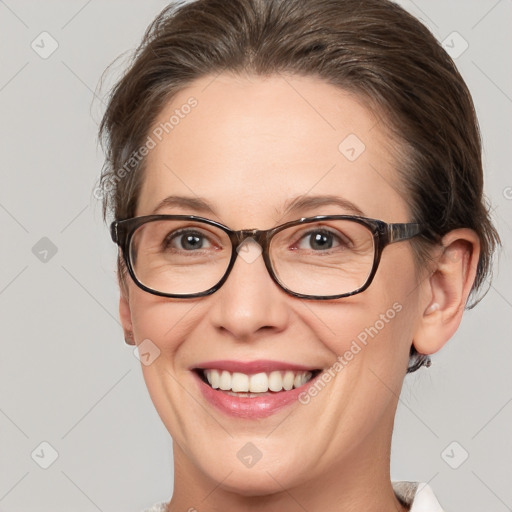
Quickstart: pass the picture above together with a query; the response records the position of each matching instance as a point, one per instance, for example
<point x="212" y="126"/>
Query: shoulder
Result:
<point x="418" y="496"/>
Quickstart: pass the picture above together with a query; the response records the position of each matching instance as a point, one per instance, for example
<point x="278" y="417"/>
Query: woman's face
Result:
<point x="248" y="149"/>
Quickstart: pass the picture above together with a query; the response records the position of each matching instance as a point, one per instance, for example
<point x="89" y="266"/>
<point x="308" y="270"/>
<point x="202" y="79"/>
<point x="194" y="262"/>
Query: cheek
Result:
<point x="152" y="314"/>
<point x="374" y="328"/>
<point x="161" y="327"/>
<point x="363" y="333"/>
<point x="161" y="323"/>
<point x="392" y="311"/>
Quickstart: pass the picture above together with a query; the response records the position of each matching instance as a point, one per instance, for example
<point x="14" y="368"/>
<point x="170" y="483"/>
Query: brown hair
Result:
<point x="372" y="48"/>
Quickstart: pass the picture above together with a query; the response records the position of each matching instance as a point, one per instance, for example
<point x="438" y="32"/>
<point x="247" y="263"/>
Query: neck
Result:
<point x="360" y="481"/>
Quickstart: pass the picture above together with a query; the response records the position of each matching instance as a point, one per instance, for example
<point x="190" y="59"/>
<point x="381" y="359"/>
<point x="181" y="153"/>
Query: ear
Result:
<point x="447" y="289"/>
<point x="125" y="313"/>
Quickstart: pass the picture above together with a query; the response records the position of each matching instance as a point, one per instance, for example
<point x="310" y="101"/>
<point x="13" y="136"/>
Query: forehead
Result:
<point x="248" y="145"/>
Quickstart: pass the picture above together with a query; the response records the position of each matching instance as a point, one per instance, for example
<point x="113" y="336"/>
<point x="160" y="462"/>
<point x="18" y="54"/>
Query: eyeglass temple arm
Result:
<point x="114" y="232"/>
<point x="397" y="232"/>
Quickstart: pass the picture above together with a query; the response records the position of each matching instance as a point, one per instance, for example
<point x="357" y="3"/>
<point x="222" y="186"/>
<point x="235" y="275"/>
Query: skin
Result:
<point x="249" y="146"/>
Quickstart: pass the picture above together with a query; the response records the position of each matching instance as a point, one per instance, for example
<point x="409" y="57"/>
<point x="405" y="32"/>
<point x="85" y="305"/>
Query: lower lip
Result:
<point x="246" y="407"/>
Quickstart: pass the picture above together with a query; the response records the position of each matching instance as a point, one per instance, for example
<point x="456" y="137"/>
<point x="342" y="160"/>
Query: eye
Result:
<point x="186" y="240"/>
<point x="322" y="240"/>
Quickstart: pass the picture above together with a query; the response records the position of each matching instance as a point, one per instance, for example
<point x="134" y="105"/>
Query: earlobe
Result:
<point x="447" y="289"/>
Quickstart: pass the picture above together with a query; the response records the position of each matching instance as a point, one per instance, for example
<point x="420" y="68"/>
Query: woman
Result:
<point x="296" y="189"/>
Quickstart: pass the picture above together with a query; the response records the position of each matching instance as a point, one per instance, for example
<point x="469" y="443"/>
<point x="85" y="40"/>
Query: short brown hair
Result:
<point x="372" y="48"/>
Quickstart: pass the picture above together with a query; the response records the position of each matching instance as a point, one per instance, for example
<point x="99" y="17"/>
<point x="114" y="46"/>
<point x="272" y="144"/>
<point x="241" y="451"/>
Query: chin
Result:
<point x="247" y="483"/>
<point x="262" y="479"/>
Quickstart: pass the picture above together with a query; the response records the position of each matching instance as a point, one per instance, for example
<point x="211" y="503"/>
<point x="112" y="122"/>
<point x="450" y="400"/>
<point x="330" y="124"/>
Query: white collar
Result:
<point x="419" y="496"/>
<point x="424" y="500"/>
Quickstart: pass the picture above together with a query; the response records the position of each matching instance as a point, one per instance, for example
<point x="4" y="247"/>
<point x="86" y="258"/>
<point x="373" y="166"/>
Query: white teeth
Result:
<point x="214" y="378"/>
<point x="258" y="382"/>
<point x="288" y="380"/>
<point x="275" y="381"/>
<point x="225" y="381"/>
<point x="239" y="382"/>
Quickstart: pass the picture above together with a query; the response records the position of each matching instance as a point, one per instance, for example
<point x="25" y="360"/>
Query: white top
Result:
<point x="419" y="496"/>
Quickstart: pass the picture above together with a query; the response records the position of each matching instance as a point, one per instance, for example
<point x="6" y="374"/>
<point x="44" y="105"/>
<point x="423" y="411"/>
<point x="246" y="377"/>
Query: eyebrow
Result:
<point x="193" y="203"/>
<point x="306" y="202"/>
<point x="294" y="205"/>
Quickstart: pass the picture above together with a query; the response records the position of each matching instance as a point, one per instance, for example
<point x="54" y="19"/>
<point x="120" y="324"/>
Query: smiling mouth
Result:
<point x="256" y="384"/>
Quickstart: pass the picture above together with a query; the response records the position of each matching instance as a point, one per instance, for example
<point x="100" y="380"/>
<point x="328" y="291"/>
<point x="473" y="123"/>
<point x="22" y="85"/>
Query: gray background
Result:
<point x="66" y="376"/>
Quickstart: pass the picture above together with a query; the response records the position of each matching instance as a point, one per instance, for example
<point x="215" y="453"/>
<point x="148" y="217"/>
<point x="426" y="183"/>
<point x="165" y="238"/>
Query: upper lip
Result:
<point x="249" y="367"/>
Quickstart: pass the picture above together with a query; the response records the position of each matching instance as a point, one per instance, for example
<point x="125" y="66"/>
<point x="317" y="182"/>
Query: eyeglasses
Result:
<point x="319" y="258"/>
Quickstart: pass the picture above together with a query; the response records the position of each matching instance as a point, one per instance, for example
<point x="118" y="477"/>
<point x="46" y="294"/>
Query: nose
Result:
<point x="249" y="304"/>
